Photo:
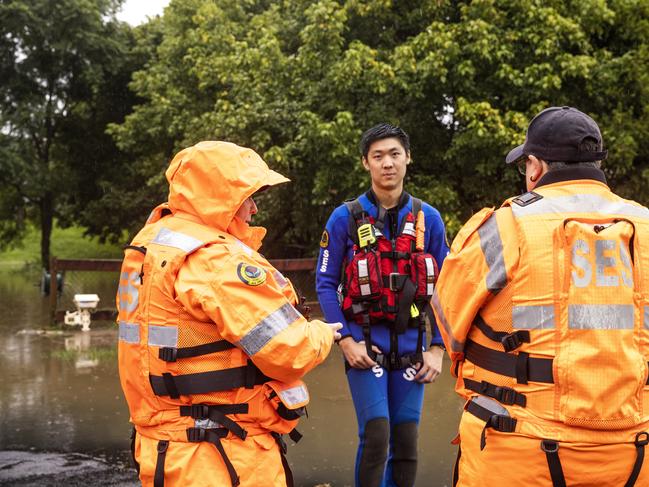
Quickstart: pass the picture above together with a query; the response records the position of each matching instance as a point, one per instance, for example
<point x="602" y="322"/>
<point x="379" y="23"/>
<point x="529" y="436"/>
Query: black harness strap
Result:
<point x="405" y="302"/>
<point x="159" y="476"/>
<point x="520" y="366"/>
<point x="206" y="382"/>
<point x="499" y="422"/>
<point x="136" y="465"/>
<point x="282" y="451"/>
<point x="641" y="440"/>
<point x="504" y="395"/>
<point x="213" y="436"/>
<point x="509" y="341"/>
<point x="142" y="250"/>
<point x="171" y="354"/>
<point x="551" y="449"/>
<point x="217" y="413"/>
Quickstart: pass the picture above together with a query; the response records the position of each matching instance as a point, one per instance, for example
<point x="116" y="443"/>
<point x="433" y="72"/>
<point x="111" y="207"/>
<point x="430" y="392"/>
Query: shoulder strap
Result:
<point x="355" y="213"/>
<point x="416" y="207"/>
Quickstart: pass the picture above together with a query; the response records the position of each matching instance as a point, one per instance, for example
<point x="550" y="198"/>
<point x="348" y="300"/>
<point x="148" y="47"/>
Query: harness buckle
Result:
<point x="505" y="395"/>
<point x="500" y="422"/>
<point x="394" y="281"/>
<point x="642" y="438"/>
<point x="199" y="411"/>
<point x="514" y="340"/>
<point x="168" y="354"/>
<point x="195" y="435"/>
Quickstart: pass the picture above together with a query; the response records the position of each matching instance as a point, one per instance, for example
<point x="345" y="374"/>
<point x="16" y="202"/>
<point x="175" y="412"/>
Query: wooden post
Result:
<point x="54" y="289"/>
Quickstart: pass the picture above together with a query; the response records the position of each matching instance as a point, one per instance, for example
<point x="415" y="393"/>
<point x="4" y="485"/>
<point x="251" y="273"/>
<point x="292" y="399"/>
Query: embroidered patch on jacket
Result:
<point x="324" y="240"/>
<point x="251" y="275"/>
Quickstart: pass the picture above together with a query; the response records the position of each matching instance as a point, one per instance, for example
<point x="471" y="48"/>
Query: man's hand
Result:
<point x="356" y="354"/>
<point x="432" y="366"/>
<point x="334" y="329"/>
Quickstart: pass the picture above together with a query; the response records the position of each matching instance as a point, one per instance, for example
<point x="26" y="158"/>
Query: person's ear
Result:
<point x="535" y="168"/>
<point x="365" y="163"/>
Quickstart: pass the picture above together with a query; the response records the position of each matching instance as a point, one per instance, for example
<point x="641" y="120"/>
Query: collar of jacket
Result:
<point x="403" y="199"/>
<point x="572" y="174"/>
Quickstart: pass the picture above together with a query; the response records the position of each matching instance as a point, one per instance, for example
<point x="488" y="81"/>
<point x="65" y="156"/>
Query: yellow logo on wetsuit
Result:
<point x="251" y="275"/>
<point x="324" y="240"/>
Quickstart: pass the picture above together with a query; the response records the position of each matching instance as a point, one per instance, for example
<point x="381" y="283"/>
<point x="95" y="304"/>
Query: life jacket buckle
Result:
<point x="514" y="340"/>
<point x="168" y="354"/>
<point x="500" y="422"/>
<point x="196" y="435"/>
<point x="505" y="395"/>
<point x="395" y="281"/>
<point x="199" y="411"/>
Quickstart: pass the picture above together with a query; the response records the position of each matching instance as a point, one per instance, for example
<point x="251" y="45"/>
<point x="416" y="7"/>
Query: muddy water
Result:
<point x="60" y="392"/>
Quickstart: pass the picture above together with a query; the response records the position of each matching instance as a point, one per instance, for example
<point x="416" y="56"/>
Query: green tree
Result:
<point x="300" y="80"/>
<point x="60" y="76"/>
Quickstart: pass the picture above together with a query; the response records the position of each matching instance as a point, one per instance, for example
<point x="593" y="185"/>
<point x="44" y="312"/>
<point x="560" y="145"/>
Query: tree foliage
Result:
<point x="64" y="74"/>
<point x="299" y="80"/>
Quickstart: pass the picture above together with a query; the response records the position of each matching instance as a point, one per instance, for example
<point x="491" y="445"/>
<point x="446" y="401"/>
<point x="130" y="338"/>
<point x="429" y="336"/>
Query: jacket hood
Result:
<point x="212" y="179"/>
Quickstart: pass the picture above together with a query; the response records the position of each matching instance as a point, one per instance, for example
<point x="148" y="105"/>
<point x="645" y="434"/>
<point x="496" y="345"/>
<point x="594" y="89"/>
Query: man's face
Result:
<point x="386" y="161"/>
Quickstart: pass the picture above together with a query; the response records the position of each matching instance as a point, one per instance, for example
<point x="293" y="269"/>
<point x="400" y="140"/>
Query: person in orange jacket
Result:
<point x="212" y="345"/>
<point x="544" y="306"/>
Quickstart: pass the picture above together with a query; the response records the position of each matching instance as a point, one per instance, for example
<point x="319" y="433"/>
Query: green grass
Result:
<point x="100" y="354"/>
<point x="68" y="243"/>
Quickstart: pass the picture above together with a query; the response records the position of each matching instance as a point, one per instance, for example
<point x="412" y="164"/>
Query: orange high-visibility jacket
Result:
<point x="544" y="307"/>
<point x="208" y="333"/>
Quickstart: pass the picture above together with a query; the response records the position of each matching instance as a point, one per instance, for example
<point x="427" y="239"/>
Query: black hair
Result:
<point x="383" y="131"/>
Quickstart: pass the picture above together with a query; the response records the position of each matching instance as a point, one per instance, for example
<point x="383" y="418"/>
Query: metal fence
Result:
<point x="101" y="277"/>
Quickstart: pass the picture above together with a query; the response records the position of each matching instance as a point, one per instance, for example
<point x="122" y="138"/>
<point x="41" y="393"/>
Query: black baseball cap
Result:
<point x="561" y="134"/>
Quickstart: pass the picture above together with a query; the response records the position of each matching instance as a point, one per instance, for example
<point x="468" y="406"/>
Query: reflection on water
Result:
<point x="60" y="392"/>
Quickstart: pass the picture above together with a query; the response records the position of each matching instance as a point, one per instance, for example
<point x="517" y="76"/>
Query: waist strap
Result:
<point x="205" y="382"/>
<point x="171" y="354"/>
<point x="520" y="366"/>
<point x="499" y="422"/>
<point x="504" y="395"/>
<point x="217" y="413"/>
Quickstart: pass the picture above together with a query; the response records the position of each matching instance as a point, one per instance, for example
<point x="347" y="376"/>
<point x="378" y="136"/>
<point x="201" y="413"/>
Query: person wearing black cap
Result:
<point x="543" y="305"/>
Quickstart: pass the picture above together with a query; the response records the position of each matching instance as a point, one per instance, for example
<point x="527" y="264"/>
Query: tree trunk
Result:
<point x="47" y="217"/>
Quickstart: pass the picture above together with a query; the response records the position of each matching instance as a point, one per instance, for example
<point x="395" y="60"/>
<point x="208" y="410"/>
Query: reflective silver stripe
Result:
<point x="279" y="277"/>
<point x="244" y="247"/>
<point x="267" y="328"/>
<point x="646" y="317"/>
<point x="535" y="317"/>
<point x="294" y="396"/>
<point x="163" y="336"/>
<point x="456" y="346"/>
<point x="363" y="272"/>
<point x="430" y="271"/>
<point x="491" y="405"/>
<point x="492" y="248"/>
<point x="600" y="316"/>
<point x="581" y="203"/>
<point x="178" y="240"/>
<point x="409" y="229"/>
<point x="129" y="332"/>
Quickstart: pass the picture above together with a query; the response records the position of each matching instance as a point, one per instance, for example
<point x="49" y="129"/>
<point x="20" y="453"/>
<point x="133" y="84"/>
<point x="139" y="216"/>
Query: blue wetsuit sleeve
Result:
<point x="333" y="249"/>
<point x="437" y="246"/>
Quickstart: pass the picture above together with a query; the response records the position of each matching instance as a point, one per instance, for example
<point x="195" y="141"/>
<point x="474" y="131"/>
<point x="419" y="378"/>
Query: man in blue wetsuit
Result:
<point x="375" y="276"/>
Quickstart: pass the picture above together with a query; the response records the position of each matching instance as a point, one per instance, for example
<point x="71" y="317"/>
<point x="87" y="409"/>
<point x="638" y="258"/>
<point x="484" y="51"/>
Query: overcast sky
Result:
<point x="136" y="11"/>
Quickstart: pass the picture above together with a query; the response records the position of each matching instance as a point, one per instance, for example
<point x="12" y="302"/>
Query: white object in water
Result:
<point x="81" y="316"/>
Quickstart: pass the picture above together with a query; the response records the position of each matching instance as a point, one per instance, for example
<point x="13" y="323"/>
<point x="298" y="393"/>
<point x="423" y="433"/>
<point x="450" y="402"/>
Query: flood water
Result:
<point x="60" y="392"/>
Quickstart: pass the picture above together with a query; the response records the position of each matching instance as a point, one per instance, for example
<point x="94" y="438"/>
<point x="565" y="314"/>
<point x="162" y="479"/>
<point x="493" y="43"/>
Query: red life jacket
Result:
<point x="383" y="280"/>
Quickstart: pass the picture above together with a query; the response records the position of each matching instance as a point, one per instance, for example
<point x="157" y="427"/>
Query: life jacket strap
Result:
<point x="519" y="366"/>
<point x="498" y="422"/>
<point x="641" y="441"/>
<point x="217" y="413"/>
<point x="205" y="382"/>
<point x="551" y="449"/>
<point x="509" y="341"/>
<point x="159" y="475"/>
<point x="282" y="450"/>
<point x="213" y="436"/>
<point x="171" y="354"/>
<point x="504" y="395"/>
